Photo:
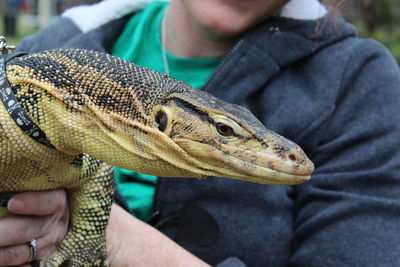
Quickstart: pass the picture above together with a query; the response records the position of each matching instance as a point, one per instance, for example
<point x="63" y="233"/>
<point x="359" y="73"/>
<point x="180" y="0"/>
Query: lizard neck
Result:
<point x="72" y="125"/>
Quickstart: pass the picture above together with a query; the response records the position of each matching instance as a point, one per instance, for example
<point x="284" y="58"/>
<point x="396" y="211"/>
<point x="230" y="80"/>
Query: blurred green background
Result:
<point x="378" y="19"/>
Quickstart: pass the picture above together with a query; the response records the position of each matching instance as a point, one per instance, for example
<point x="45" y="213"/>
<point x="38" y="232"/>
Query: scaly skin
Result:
<point x="96" y="108"/>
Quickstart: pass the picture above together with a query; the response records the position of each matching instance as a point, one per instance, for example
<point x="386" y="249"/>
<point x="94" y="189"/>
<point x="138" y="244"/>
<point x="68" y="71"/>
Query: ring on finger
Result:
<point x="33" y="247"/>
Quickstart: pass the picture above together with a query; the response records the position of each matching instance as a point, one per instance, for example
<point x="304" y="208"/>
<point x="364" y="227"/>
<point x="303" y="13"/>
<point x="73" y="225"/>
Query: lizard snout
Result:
<point x="299" y="162"/>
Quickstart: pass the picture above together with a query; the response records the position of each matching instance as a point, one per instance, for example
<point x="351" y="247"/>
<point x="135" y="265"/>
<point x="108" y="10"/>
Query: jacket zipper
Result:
<point x="223" y="61"/>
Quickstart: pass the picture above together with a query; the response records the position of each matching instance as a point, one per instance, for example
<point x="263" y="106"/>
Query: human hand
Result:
<point x="43" y="216"/>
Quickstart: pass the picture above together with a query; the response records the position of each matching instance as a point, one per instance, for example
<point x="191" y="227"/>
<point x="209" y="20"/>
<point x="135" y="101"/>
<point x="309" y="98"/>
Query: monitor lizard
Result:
<point x="69" y="115"/>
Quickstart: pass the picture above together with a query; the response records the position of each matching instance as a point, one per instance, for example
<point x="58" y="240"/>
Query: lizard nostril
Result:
<point x="292" y="157"/>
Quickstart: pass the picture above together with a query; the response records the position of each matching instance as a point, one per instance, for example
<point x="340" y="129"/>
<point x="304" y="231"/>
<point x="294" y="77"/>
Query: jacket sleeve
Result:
<point x="349" y="213"/>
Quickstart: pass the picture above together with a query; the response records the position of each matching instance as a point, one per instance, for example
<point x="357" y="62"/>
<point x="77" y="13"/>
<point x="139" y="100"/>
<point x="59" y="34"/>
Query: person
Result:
<point x="302" y="70"/>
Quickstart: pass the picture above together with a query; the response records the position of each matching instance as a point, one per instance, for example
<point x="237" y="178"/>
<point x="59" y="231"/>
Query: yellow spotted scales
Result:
<point x="95" y="108"/>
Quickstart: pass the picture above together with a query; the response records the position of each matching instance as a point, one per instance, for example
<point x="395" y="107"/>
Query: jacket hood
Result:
<point x="274" y="44"/>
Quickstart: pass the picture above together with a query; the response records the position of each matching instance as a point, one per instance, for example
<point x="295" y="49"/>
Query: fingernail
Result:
<point x="15" y="205"/>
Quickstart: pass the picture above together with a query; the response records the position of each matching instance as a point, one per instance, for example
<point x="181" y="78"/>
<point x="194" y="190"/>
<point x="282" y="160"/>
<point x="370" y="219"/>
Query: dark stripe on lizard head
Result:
<point x="189" y="107"/>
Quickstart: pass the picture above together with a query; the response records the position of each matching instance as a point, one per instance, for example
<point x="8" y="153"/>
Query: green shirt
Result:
<point x="140" y="42"/>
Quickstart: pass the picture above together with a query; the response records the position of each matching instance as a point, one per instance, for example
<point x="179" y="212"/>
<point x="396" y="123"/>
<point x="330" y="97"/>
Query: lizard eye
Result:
<point x="224" y="130"/>
<point x="162" y="120"/>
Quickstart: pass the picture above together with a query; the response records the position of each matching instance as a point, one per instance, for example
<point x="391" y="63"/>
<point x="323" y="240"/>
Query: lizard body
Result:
<point x="95" y="108"/>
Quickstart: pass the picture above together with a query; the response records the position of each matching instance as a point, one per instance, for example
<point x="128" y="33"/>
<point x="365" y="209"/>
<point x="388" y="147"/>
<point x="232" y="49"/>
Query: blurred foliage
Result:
<point x="377" y="19"/>
<point x="24" y="28"/>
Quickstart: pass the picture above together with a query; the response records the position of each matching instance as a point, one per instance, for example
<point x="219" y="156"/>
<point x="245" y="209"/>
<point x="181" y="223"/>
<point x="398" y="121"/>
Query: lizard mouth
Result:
<point x="254" y="166"/>
<point x="267" y="167"/>
<point x="262" y="174"/>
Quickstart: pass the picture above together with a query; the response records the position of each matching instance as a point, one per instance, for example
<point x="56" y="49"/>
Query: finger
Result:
<point x="21" y="229"/>
<point x="38" y="203"/>
<point x="15" y="255"/>
<point x="18" y="255"/>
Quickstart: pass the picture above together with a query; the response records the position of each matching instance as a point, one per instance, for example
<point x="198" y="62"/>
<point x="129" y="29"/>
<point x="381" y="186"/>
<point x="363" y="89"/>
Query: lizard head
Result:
<point x="226" y="140"/>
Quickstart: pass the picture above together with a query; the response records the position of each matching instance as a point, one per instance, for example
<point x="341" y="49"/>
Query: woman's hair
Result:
<point x="334" y="6"/>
